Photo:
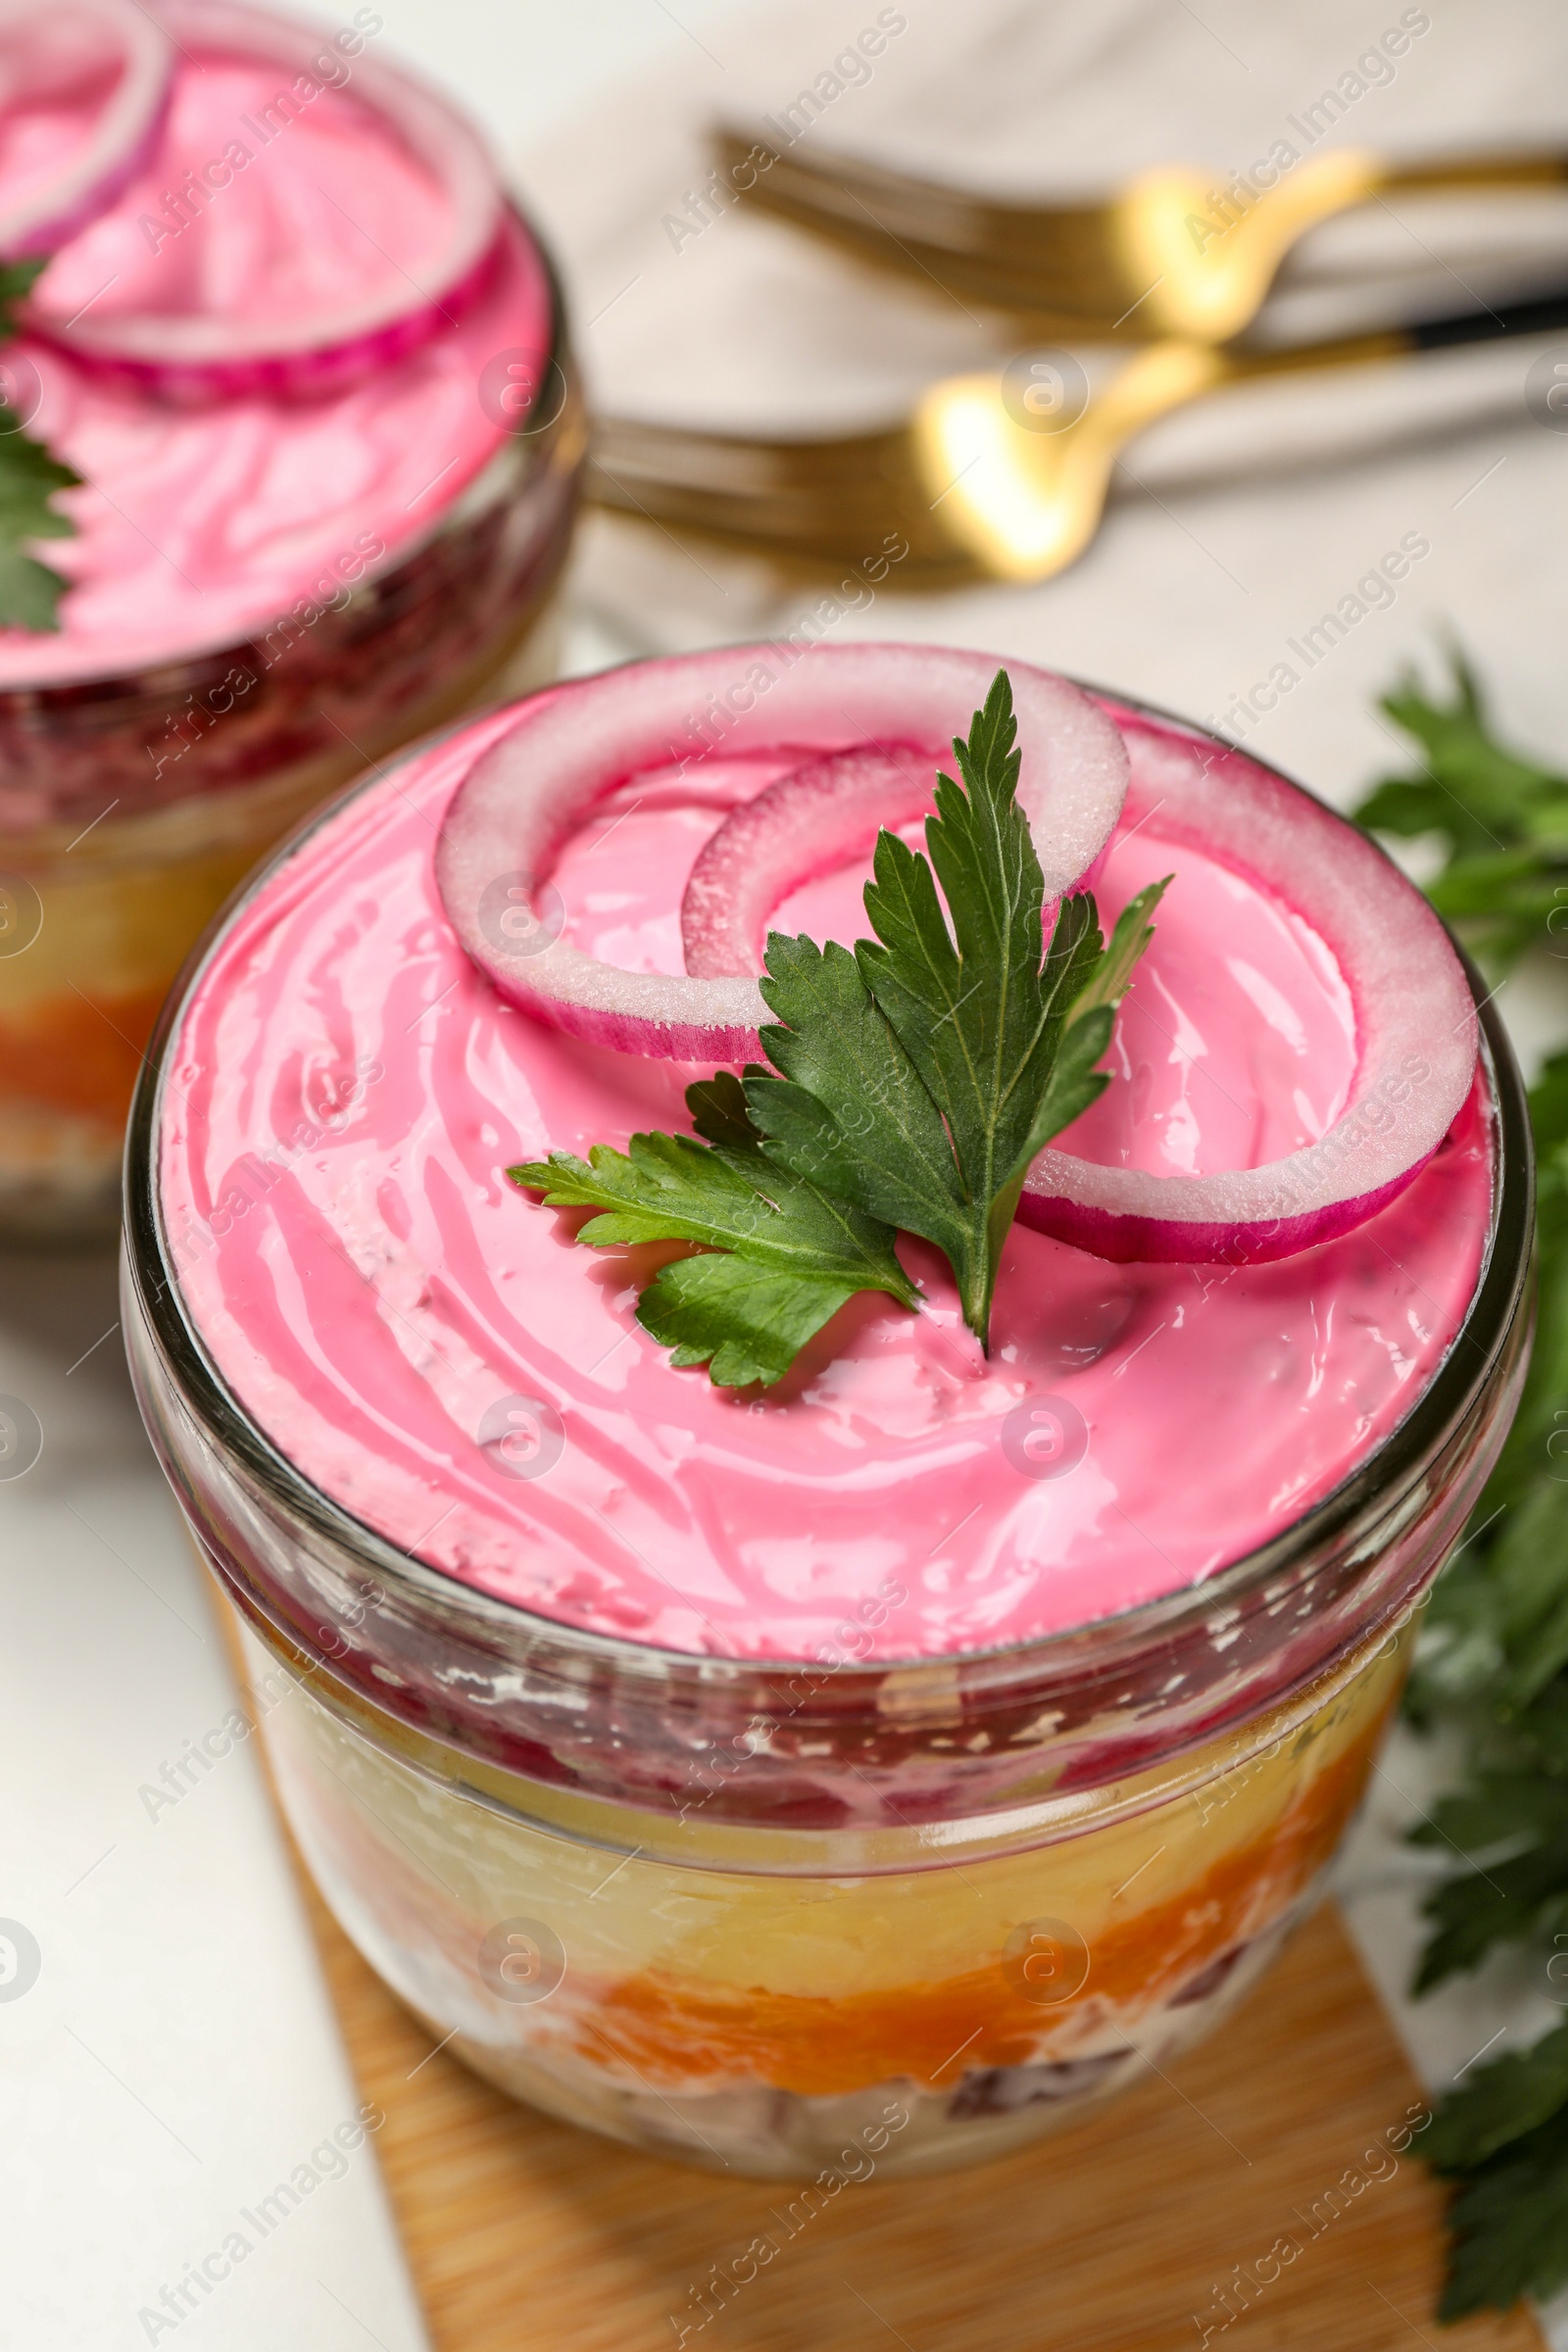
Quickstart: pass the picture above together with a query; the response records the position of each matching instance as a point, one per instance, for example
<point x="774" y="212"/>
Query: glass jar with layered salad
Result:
<point x="303" y="367"/>
<point x="828" y="1398"/>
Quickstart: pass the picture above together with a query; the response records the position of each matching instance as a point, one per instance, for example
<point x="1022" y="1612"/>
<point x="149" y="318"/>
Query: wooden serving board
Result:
<point x="1117" y="2236"/>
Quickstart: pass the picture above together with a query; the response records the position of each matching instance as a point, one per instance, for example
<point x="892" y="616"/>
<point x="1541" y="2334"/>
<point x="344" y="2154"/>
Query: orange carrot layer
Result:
<point x="71" y="1053"/>
<point x="671" y="2031"/>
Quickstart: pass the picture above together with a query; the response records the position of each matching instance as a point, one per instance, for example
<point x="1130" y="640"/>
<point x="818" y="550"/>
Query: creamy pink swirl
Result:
<point x="431" y="1348"/>
<point x="199" y="526"/>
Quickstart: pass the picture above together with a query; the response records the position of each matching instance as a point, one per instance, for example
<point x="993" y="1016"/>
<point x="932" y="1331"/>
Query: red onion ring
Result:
<point x="191" y="357"/>
<point x="805" y="824"/>
<point x="574" y="744"/>
<point x="45" y="50"/>
<point x="1415" y="1018"/>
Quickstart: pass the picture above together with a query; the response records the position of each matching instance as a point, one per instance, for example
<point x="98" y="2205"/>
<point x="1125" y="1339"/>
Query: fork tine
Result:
<point x="1062" y="260"/>
<point x="950" y="218"/>
<point x="837" y="499"/>
<point x="1067" y="269"/>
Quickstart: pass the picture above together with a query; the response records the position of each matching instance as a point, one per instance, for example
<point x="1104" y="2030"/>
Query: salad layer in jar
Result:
<point x="887" y="1181"/>
<point x="292" y="459"/>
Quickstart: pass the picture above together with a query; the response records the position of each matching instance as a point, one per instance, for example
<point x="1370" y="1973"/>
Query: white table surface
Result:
<point x="176" y="2055"/>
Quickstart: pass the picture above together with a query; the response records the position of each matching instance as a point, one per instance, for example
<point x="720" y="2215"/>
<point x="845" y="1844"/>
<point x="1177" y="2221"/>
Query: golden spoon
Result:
<point x="1025" y="498"/>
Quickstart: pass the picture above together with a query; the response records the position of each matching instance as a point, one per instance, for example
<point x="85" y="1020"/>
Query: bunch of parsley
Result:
<point x="914" y="1078"/>
<point x="29" y="591"/>
<point x="1494" y="1656"/>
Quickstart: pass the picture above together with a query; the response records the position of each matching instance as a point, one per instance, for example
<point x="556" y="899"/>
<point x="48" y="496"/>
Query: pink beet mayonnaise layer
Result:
<point x="373" y="1288"/>
<point x="197" y="528"/>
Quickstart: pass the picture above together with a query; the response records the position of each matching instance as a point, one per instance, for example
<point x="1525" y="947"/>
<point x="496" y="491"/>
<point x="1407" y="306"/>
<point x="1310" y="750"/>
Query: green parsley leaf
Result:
<point x="29" y="591"/>
<point x="850" y="1112"/>
<point x="795" y="1255"/>
<point x="1507" y="1903"/>
<point x="1471" y="787"/>
<point x="1500" y="2102"/>
<point x="1493" y="1652"/>
<point x="1498" y="1809"/>
<point x="1502" y="818"/>
<point x="743" y="1321"/>
<point x="1509" y="2225"/>
<point x="922" y="1074"/>
<point x="16" y="281"/>
<point x="912" y="1082"/>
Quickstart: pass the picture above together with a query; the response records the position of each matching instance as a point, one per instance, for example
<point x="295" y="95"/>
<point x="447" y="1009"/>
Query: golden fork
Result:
<point x="834" y="501"/>
<point x="1169" y="255"/>
<point x="968" y="483"/>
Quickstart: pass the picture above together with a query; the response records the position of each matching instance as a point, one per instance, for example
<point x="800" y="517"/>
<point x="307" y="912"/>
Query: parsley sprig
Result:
<point x="913" y="1079"/>
<point x="29" y="591"/>
<point x="1500" y="818"/>
<point x="786" y="1257"/>
<point x="1494" y="1656"/>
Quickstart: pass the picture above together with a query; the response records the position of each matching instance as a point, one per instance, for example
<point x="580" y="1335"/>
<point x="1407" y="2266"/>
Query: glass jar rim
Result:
<point x="1394" y="1464"/>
